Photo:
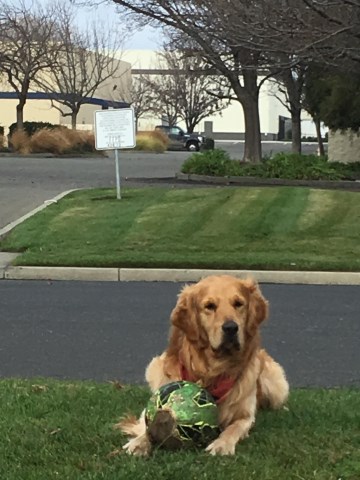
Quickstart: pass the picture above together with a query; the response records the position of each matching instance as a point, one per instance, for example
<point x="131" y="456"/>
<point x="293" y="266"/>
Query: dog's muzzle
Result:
<point x="230" y="338"/>
<point x="230" y="329"/>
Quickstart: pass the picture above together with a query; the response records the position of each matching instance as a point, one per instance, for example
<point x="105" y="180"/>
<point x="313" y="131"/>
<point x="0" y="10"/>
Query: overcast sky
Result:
<point x="105" y="14"/>
<point x="146" y="39"/>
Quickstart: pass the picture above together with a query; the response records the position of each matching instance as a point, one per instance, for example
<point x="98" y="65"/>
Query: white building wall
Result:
<point x="231" y="119"/>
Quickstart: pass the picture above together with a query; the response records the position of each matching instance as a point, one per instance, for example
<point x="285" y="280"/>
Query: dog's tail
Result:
<point x="132" y="426"/>
<point x="272" y="388"/>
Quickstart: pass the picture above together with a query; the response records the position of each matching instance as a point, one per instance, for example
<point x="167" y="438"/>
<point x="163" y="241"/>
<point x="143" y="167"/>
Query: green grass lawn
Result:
<point x="51" y="429"/>
<point x="267" y="228"/>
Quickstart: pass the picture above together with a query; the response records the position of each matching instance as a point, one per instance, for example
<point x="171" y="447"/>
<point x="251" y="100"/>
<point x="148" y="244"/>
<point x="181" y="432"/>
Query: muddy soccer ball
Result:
<point x="180" y="414"/>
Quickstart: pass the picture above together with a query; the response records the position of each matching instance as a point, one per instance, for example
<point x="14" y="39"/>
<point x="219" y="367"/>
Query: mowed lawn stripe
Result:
<point x="263" y="228"/>
<point x="274" y="212"/>
<point x="182" y="216"/>
<point x="332" y="211"/>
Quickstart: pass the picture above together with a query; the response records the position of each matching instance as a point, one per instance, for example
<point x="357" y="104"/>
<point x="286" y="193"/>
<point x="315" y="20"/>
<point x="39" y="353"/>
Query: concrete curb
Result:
<point x="62" y="273"/>
<point x="256" y="181"/>
<point x="176" y="275"/>
<point x="5" y="260"/>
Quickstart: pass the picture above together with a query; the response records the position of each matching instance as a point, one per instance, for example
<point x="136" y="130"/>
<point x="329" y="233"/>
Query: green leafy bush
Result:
<point x="282" y="165"/>
<point x="210" y="162"/>
<point x="31" y="127"/>
<point x="299" y="167"/>
<point x="349" y="171"/>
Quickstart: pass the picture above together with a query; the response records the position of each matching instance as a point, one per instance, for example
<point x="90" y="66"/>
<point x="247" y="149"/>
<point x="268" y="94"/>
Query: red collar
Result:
<point x="220" y="387"/>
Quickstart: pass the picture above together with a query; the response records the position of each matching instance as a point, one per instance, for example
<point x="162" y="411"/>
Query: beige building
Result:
<point x="43" y="111"/>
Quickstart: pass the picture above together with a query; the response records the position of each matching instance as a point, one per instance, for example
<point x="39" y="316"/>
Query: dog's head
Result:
<point x="220" y="312"/>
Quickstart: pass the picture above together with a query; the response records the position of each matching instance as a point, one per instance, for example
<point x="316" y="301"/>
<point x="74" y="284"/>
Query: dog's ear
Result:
<point x="184" y="315"/>
<point x="257" y="308"/>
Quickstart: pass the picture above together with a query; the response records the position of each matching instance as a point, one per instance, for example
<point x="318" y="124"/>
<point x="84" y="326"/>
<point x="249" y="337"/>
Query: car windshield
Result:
<point x="176" y="131"/>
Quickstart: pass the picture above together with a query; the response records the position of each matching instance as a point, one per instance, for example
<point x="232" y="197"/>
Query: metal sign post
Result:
<point x="117" y="171"/>
<point x="114" y="130"/>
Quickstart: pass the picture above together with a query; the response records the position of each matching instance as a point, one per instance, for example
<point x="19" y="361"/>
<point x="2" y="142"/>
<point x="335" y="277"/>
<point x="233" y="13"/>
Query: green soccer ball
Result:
<point x="180" y="414"/>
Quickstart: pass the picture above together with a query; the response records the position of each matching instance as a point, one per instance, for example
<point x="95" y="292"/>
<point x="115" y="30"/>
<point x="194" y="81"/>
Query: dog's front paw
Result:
<point x="221" y="447"/>
<point x="139" y="446"/>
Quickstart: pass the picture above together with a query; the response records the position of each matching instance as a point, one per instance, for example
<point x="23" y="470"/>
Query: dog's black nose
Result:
<point x="230" y="328"/>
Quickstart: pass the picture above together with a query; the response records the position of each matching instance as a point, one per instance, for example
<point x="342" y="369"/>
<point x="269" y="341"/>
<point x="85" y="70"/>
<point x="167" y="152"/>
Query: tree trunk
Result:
<point x="321" y="149"/>
<point x="296" y="130"/>
<point x="22" y="96"/>
<point x="248" y="96"/>
<point x="252" y="149"/>
<point x="20" y="114"/>
<point x="73" y="119"/>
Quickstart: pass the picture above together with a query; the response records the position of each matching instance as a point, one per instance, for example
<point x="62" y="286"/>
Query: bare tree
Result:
<point x="242" y="41"/>
<point x="289" y="85"/>
<point x="184" y="88"/>
<point x="165" y="102"/>
<point x="28" y="46"/>
<point x="207" y="24"/>
<point x="337" y="32"/>
<point x="86" y="63"/>
<point x="138" y="94"/>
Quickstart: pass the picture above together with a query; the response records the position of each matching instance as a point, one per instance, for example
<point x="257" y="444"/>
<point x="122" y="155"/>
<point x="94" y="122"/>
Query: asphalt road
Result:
<point x="25" y="183"/>
<point x="107" y="331"/>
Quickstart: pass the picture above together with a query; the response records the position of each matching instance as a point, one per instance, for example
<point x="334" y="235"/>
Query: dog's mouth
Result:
<point x="228" y="346"/>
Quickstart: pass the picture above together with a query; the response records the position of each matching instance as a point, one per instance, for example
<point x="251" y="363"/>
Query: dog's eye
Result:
<point x="238" y="304"/>
<point x="210" y="306"/>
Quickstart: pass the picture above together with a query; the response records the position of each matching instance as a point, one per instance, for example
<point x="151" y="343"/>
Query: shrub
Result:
<point x="153" y="141"/>
<point x="20" y="142"/>
<point x="2" y="140"/>
<point x="62" y="140"/>
<point x="159" y="135"/>
<point x="282" y="165"/>
<point x="49" y="141"/>
<point x="349" y="171"/>
<point x="295" y="166"/>
<point x="31" y="127"/>
<point x="81" y="141"/>
<point x="210" y="162"/>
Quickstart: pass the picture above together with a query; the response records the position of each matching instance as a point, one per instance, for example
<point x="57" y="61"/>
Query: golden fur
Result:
<point x="198" y="341"/>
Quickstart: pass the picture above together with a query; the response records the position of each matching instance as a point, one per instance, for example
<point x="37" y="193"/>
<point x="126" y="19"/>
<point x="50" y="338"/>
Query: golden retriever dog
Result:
<point x="215" y="341"/>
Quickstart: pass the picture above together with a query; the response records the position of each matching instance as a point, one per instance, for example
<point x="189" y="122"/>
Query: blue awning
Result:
<point x="59" y="96"/>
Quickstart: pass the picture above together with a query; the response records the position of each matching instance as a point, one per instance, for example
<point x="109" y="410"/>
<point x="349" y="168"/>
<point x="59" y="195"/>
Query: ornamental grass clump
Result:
<point x="61" y="141"/>
<point x="20" y="142"/>
<point x="152" y="141"/>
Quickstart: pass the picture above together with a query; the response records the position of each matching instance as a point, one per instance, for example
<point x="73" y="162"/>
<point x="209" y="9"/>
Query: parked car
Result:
<point x="180" y="140"/>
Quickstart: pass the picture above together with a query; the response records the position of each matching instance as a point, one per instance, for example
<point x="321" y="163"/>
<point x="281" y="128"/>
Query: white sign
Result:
<point x="114" y="129"/>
